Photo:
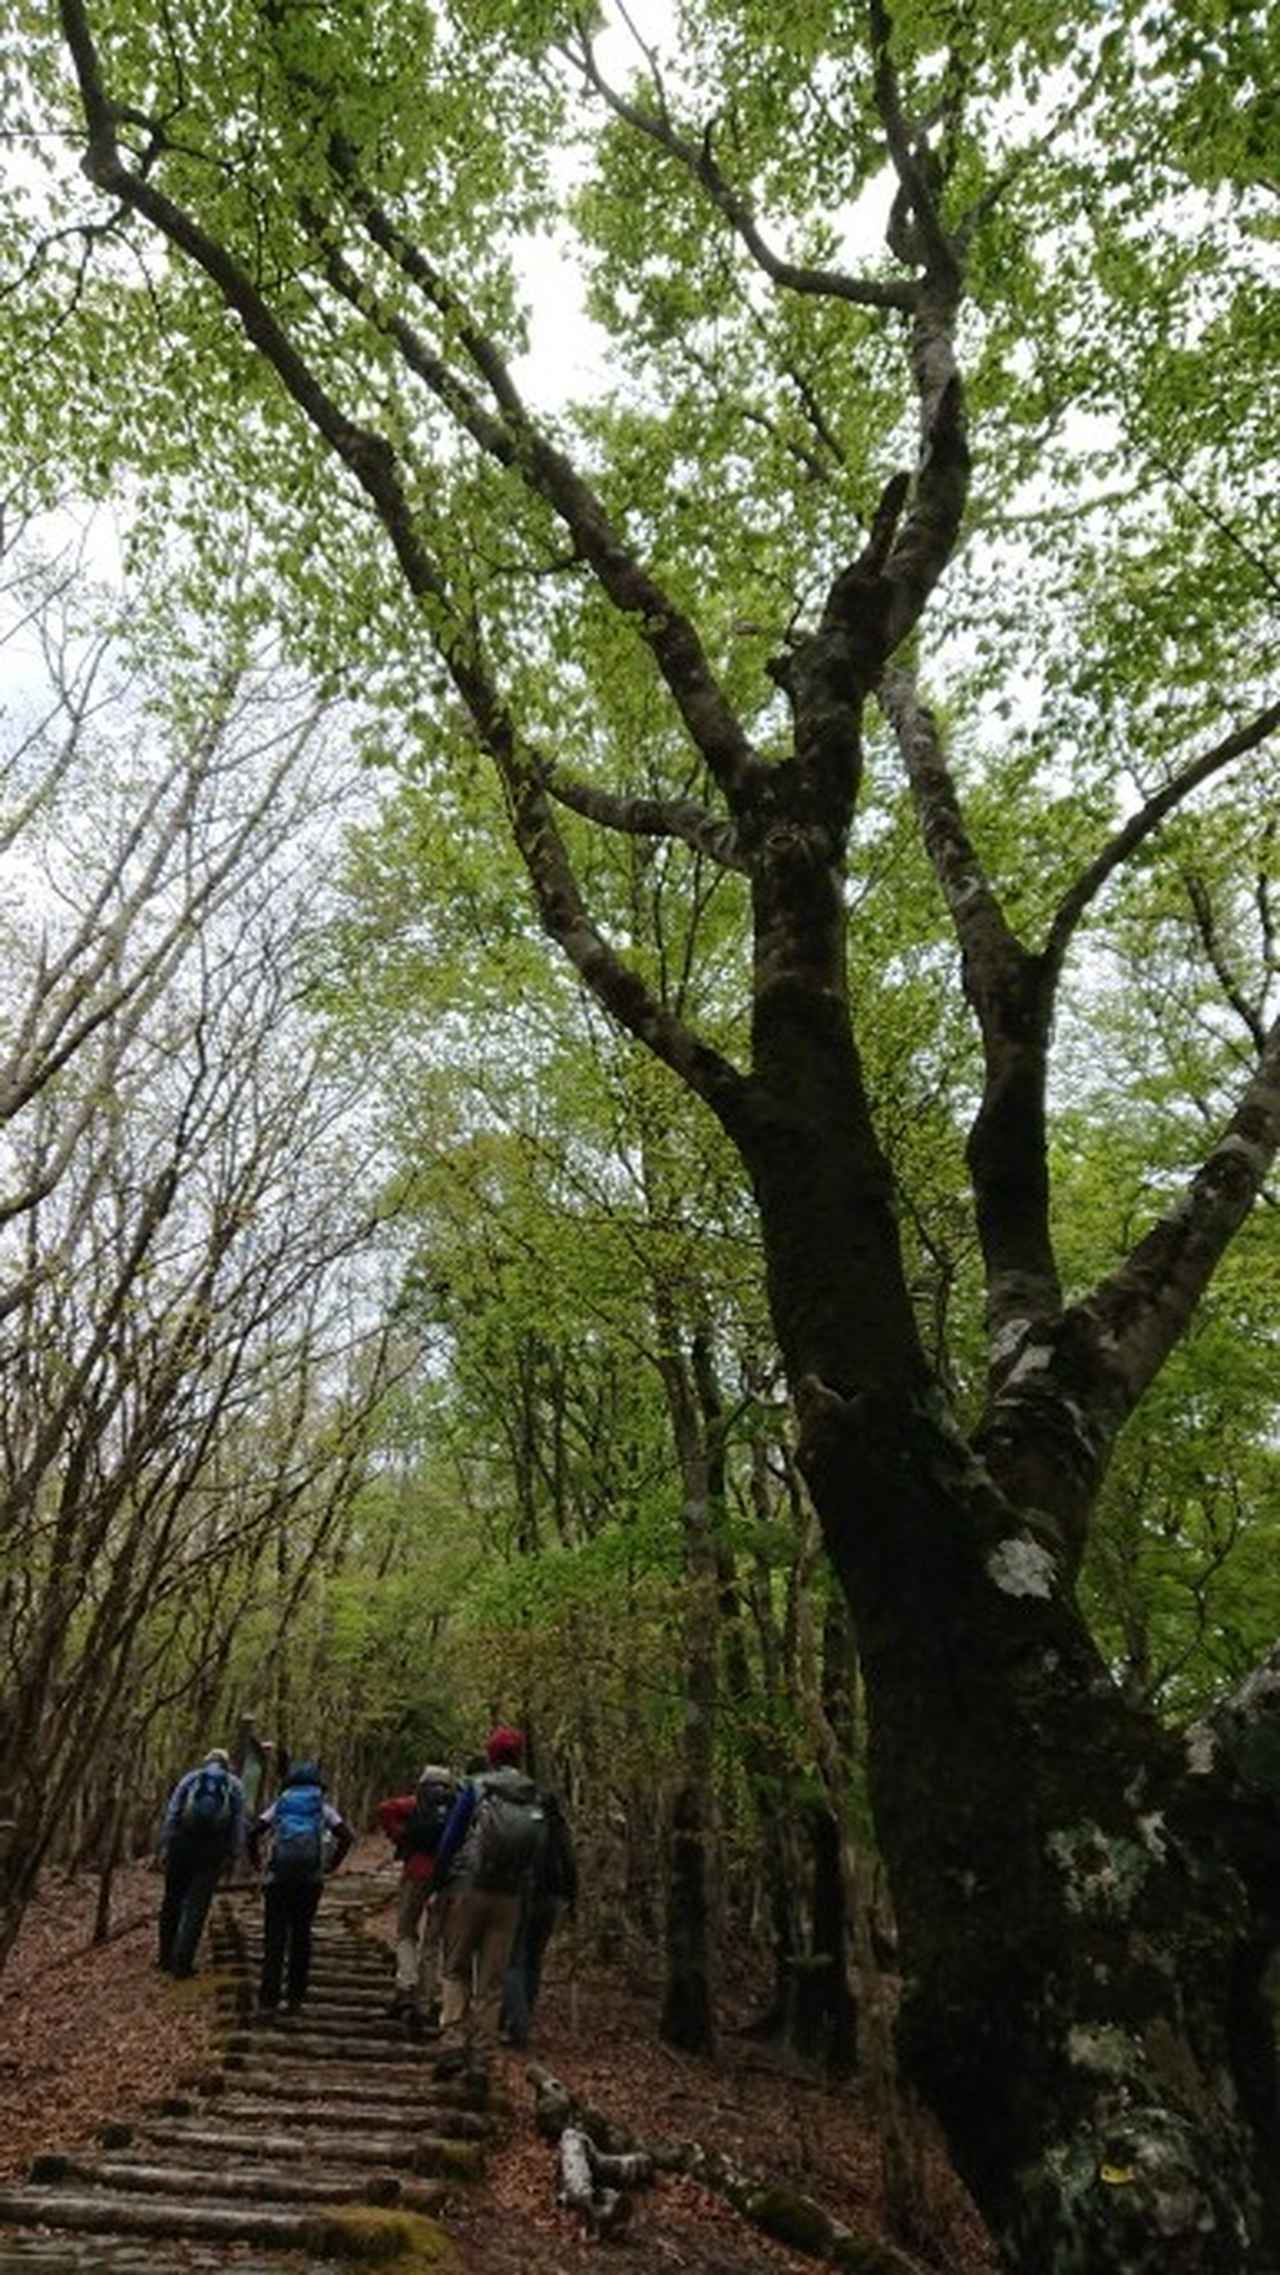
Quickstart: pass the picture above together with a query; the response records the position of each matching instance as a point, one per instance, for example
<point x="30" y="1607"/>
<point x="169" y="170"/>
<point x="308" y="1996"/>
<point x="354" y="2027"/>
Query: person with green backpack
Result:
<point x="489" y="1848"/>
<point x="308" y="1839"/>
<point x="203" y="1832"/>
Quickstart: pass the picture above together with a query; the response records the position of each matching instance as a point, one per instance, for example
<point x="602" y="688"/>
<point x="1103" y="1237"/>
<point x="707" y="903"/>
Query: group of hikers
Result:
<point x="487" y="1867"/>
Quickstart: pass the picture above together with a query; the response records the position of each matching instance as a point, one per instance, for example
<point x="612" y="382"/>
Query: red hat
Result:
<point x="503" y="1746"/>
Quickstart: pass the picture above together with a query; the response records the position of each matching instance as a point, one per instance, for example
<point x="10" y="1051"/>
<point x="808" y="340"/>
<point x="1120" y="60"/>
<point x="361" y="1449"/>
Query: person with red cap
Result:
<point x="488" y="1850"/>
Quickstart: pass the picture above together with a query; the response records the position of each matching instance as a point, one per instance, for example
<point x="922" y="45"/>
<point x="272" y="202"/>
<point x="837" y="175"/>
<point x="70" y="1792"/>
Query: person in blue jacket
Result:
<point x="203" y="1832"/>
<point x="308" y="1838"/>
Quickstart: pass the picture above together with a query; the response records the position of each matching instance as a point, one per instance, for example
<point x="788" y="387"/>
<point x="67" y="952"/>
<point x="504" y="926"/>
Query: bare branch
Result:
<point x="677" y="818"/>
<point x="1012" y="997"/>
<point x="1140" y="1312"/>
<point x="699" y="161"/>
<point x="1141" y="825"/>
<point x="913" y="163"/>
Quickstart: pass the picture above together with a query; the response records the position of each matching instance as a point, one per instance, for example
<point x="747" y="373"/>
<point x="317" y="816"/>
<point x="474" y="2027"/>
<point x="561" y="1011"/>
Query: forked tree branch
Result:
<point x="698" y="160"/>
<point x="515" y="441"/>
<point x="1007" y="1148"/>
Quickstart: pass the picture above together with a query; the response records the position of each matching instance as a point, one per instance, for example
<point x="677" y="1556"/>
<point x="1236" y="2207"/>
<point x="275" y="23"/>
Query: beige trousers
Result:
<point x="417" y="1945"/>
<point x="475" y="1937"/>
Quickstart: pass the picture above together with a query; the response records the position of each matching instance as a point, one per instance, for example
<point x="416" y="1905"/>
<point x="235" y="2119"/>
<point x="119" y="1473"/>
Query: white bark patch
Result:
<point x="1102" y="1872"/>
<point x="1202" y="1749"/>
<point x="1019" y="1566"/>
<point x="1005" y="1343"/>
<point x="1103" y="2049"/>
<point x="1151" y="1834"/>
<point x="1257" y="1156"/>
<point x="1034" y="1360"/>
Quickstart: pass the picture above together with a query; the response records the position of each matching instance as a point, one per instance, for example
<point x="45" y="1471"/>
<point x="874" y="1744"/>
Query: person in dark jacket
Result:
<point x="308" y="1838"/>
<point x="203" y="1832"/>
<point x="551" y="1888"/>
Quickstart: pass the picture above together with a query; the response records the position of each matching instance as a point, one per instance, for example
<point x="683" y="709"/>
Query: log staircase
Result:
<point x="321" y="2137"/>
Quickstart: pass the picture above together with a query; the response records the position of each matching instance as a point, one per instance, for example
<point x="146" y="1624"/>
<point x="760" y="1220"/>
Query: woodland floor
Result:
<point x="87" y="2034"/>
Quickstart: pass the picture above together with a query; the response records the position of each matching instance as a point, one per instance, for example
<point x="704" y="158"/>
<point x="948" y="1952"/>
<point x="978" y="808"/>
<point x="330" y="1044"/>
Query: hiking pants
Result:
<point x="417" y="1946"/>
<point x="523" y="1977"/>
<point x="477" y="1930"/>
<point x="289" y="1907"/>
<point x="191" y="1873"/>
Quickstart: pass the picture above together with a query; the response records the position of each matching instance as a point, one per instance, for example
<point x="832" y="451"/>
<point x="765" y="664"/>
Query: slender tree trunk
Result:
<point x="107" y="1870"/>
<point x="688" y="2018"/>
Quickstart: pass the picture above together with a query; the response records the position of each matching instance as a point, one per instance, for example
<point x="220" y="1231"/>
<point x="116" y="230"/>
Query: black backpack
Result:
<point x="426" y="1821"/>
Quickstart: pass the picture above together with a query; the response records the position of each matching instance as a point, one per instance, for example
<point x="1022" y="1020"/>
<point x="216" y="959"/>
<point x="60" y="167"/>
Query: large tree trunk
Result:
<point x="1081" y="2002"/>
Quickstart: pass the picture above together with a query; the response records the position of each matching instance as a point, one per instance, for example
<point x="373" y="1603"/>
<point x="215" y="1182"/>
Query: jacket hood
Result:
<point x="508" y="1779"/>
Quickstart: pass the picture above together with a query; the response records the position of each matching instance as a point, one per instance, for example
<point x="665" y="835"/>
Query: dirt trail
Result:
<point x="309" y="2141"/>
<point x="323" y="2134"/>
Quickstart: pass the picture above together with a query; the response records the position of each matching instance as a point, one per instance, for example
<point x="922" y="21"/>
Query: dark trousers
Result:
<point x="523" y="1978"/>
<point x="289" y="1909"/>
<point x="191" y="1873"/>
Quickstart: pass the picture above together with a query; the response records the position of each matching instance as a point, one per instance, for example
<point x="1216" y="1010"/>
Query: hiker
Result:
<point x="413" y="1823"/>
<point x="202" y="1833"/>
<point x="550" y="1887"/>
<point x="495" y="1831"/>
<point x="308" y="1839"/>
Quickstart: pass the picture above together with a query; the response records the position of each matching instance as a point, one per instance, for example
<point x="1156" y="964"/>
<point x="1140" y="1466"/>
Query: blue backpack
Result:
<point x="206" y="1804"/>
<point x="297" y="1834"/>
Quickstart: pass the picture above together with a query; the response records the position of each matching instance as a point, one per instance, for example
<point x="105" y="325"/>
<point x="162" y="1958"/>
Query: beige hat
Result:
<point x="435" y="1773"/>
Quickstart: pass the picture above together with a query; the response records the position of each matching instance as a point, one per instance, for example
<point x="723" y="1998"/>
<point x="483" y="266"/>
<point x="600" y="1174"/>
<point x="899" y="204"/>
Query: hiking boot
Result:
<point x="451" y="2063"/>
<point x="264" y="2012"/>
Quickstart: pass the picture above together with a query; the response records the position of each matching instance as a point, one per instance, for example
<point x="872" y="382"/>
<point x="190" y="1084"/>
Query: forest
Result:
<point x="640" y="1077"/>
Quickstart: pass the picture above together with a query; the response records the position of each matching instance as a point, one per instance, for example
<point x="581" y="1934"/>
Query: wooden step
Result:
<point x="306" y="2109"/>
<point x="420" y="2152"/>
<point x="364" y="2233"/>
<point x="303" y="2044"/>
<point x="266" y="2093"/>
<point x="197" y="2183"/>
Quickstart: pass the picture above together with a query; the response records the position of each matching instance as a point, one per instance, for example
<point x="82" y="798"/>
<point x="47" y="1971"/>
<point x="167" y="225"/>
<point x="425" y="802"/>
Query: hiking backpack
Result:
<point x="420" y="1833"/>
<point x="506" y="1834"/>
<point x="297" y="1834"/>
<point x="206" y="1804"/>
